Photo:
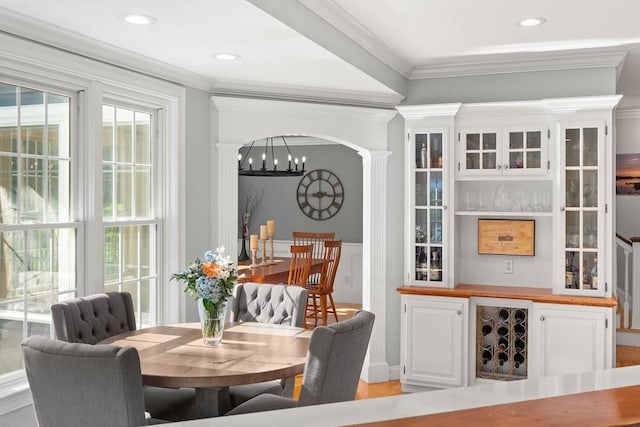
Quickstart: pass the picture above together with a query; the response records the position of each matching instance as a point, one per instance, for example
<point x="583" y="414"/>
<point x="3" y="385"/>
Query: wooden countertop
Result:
<point x="613" y="407"/>
<point x="544" y="295"/>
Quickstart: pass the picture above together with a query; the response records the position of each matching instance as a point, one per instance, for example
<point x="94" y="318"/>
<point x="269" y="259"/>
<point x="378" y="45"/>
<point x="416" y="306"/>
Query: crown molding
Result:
<point x="517" y="64"/>
<point x="45" y="34"/>
<point x="628" y="113"/>
<point x="346" y="23"/>
<point x="305" y="94"/>
<point x="428" y="110"/>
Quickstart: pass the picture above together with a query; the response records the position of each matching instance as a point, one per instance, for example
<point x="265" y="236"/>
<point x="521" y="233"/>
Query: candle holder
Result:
<point x="271" y="261"/>
<point x="264" y="253"/>
<point x="254" y="258"/>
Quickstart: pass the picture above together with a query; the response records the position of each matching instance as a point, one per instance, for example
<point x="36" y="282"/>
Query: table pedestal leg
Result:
<point x="212" y="401"/>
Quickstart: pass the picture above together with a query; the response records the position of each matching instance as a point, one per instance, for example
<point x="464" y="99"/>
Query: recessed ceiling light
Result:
<point x="532" y="22"/>
<point x="227" y="56"/>
<point x="136" y="19"/>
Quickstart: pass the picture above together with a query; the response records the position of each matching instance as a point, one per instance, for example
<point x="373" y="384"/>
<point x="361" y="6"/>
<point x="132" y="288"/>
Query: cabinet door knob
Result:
<point x="562" y="209"/>
<point x="444" y="207"/>
<point x="506" y="166"/>
<point x="458" y="312"/>
<point x="542" y="318"/>
<point x="499" y="167"/>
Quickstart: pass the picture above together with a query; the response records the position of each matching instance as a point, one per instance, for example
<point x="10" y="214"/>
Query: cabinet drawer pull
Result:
<point x="458" y="312"/>
<point x="506" y="166"/>
<point x="562" y="209"/>
<point x="499" y="167"/>
<point x="542" y="318"/>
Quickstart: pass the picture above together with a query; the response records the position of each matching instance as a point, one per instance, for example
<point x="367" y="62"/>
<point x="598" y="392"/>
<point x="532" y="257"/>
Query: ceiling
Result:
<point x="358" y="51"/>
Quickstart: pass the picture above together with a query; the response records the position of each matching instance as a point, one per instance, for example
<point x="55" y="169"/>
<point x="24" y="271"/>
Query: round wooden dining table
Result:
<point x="175" y="356"/>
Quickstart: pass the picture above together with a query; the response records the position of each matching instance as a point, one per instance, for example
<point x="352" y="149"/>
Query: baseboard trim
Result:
<point x="394" y="372"/>
<point x="375" y="373"/>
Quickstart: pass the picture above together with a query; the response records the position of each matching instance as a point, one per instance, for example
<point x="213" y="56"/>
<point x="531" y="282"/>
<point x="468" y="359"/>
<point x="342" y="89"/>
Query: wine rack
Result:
<point x="501" y="342"/>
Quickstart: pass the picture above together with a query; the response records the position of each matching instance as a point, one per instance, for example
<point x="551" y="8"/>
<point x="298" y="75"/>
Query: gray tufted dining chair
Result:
<point x="94" y="318"/>
<point x="266" y="303"/>
<point x="332" y="370"/>
<point x="76" y="384"/>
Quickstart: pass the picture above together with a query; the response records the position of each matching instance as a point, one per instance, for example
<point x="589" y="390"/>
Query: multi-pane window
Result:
<point x="37" y="233"/>
<point x="130" y="223"/>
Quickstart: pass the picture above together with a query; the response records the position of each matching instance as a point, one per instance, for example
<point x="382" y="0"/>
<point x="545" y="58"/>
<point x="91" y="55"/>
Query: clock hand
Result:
<point x="319" y="194"/>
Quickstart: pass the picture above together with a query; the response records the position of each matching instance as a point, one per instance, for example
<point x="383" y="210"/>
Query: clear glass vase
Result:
<point x="212" y="323"/>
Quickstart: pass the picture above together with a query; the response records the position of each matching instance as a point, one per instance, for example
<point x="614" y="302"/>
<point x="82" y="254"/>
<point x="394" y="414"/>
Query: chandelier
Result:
<point x="269" y="164"/>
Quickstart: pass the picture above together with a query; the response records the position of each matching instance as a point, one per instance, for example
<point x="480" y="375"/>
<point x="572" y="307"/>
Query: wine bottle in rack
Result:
<point x="486" y="330"/>
<point x="487" y="355"/>
<point x="518" y="359"/>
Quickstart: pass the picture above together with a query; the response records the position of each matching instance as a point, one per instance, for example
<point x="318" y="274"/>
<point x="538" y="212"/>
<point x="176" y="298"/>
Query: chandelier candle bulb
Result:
<point x="275" y="164"/>
<point x="250" y="163"/>
<point x="239" y="161"/>
<point x="264" y="161"/>
<point x="289" y="157"/>
<point x="296" y="162"/>
<point x="304" y="159"/>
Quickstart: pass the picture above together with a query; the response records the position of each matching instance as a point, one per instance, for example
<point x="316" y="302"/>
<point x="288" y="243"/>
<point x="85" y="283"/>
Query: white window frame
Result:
<point x="40" y="66"/>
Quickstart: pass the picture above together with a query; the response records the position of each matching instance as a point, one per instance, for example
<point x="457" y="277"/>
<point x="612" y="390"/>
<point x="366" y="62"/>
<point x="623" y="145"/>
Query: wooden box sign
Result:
<point x="506" y="236"/>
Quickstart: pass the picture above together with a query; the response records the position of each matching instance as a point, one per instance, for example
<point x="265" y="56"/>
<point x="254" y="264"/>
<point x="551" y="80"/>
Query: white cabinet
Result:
<point x="428" y="201"/>
<point x="506" y="152"/>
<point x="569" y="338"/>
<point x="584" y="174"/>
<point x="434" y="342"/>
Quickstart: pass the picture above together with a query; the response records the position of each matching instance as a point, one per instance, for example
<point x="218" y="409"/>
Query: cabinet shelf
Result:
<point x="501" y="214"/>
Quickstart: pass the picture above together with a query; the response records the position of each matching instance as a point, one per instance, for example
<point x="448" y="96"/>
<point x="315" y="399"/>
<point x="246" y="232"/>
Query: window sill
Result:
<point x="14" y="395"/>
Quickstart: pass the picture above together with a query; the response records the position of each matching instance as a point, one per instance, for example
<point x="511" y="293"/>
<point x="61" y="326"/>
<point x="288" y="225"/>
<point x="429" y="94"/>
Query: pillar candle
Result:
<point x="271" y="227"/>
<point x="263" y="232"/>
<point x="253" y="244"/>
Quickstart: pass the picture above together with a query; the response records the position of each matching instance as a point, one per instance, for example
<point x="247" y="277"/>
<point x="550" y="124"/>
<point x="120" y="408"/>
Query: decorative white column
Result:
<point x="374" y="263"/>
<point x="225" y="205"/>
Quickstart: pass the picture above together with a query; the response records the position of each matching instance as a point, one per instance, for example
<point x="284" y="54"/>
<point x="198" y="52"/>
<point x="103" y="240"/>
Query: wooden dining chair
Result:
<point x="301" y="257"/>
<point x="316" y="239"/>
<point x="320" y="301"/>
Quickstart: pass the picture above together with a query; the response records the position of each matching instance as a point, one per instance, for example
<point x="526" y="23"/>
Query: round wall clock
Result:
<point x="320" y="194"/>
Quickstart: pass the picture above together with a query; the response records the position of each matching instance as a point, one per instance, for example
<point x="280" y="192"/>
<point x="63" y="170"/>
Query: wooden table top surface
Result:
<point x="612" y="407"/>
<point x="175" y="356"/>
<point x="273" y="273"/>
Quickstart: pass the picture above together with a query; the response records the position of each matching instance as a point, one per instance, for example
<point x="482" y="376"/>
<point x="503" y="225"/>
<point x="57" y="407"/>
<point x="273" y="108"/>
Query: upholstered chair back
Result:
<point x="83" y="385"/>
<point x="93" y="318"/>
<point x="335" y="358"/>
<point x="267" y="303"/>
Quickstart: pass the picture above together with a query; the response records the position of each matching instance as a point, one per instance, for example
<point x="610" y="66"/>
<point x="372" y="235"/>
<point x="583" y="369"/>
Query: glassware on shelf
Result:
<point x="500" y="199"/>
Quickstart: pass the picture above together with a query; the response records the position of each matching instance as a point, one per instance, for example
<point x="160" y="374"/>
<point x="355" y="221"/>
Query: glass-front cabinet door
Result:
<point x="428" y="176"/>
<point x="480" y="152"/>
<point x="524" y="152"/>
<point x="583" y="216"/>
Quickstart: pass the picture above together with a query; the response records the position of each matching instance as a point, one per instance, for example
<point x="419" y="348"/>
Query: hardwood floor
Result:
<point x="625" y="356"/>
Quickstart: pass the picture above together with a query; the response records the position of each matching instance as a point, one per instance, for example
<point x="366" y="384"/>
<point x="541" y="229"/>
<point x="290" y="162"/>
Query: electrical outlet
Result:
<point x="508" y="266"/>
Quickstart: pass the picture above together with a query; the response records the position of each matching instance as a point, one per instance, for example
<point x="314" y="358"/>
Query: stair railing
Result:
<point x="627" y="248"/>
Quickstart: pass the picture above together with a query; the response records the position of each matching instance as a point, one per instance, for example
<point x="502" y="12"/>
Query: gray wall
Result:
<point x="199" y="183"/>
<point x="279" y="201"/>
<point x="627" y="207"/>
<point x="395" y="236"/>
<point x="513" y="86"/>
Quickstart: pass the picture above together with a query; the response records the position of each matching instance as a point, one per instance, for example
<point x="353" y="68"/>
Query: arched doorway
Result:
<point x="365" y="130"/>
